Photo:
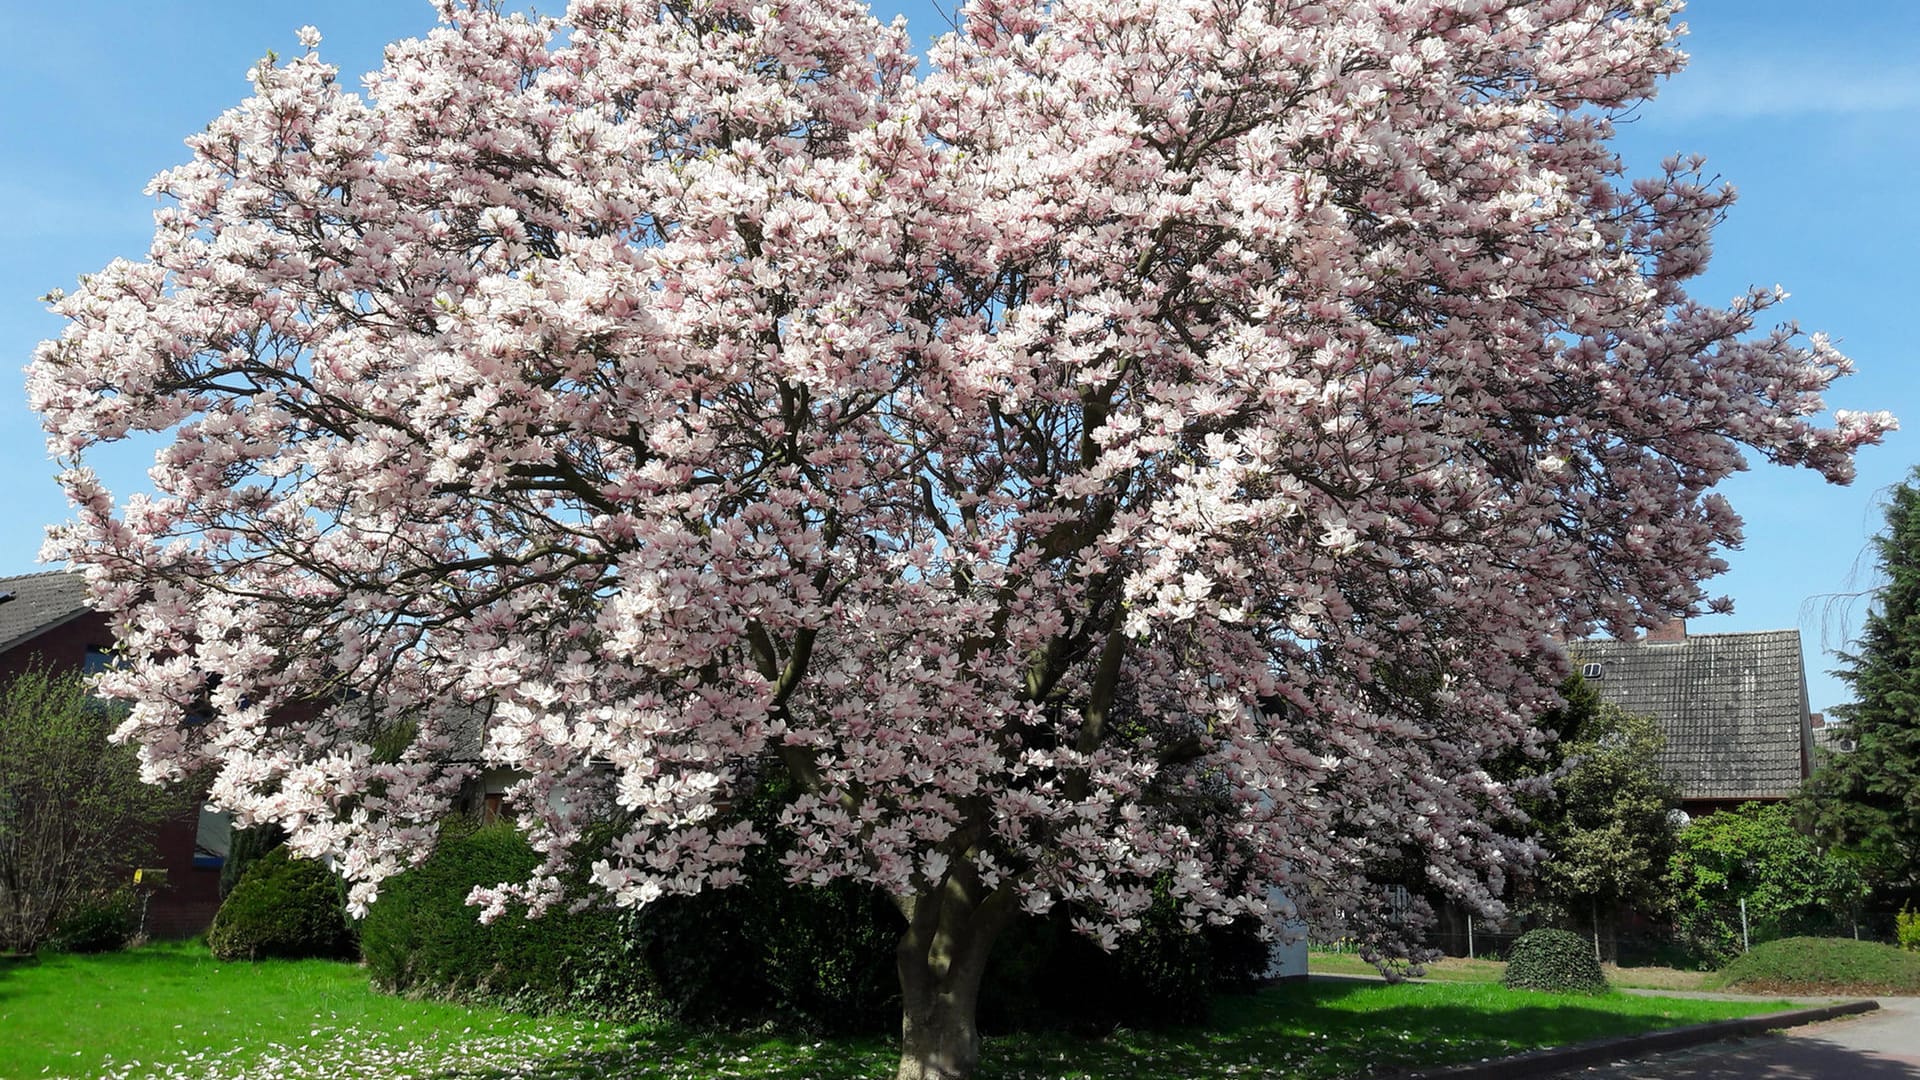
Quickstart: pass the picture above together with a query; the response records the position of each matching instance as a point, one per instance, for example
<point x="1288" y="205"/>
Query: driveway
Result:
<point x="1880" y="1045"/>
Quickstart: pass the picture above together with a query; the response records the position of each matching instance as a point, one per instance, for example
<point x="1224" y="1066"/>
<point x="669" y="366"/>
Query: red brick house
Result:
<point x="45" y="622"/>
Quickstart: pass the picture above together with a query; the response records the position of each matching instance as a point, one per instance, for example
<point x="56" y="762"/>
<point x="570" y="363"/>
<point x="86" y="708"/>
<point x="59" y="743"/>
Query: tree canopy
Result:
<point x="1867" y="800"/>
<point x="1756" y="854"/>
<point x="1608" y="831"/>
<point x="74" y="818"/>
<point x="1147" y="447"/>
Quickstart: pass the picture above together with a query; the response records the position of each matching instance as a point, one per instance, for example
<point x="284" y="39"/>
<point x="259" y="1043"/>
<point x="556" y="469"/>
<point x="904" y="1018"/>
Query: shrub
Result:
<point x="1791" y="887"/>
<point x="761" y="951"/>
<point x="102" y="923"/>
<point x="815" y="959"/>
<point x="74" y="816"/>
<point x="1045" y="975"/>
<point x="282" y="907"/>
<point x="244" y="849"/>
<point x="1906" y="928"/>
<point x="1555" y="961"/>
<point x="1807" y="965"/>
<point x="819" y="959"/>
<point x="423" y="938"/>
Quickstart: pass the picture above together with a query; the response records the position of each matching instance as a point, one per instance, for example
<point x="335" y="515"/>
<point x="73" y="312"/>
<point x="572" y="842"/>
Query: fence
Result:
<point x="1624" y="938"/>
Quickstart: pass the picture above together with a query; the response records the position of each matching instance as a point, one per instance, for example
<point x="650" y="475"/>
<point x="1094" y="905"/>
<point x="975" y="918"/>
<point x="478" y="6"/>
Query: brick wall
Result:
<point x="62" y="648"/>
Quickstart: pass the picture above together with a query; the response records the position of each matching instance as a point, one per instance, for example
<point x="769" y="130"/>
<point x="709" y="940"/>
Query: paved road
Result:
<point x="1881" y="1045"/>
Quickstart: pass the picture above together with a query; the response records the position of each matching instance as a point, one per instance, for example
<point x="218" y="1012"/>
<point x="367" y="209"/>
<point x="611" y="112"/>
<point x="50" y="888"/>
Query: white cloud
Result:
<point x="1755" y="87"/>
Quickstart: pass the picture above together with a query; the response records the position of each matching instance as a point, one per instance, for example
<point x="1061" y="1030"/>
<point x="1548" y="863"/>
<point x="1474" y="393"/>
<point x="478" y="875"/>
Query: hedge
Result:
<point x="422" y="937"/>
<point x="1810" y="965"/>
<point x="815" y="959"/>
<point x="103" y="923"/>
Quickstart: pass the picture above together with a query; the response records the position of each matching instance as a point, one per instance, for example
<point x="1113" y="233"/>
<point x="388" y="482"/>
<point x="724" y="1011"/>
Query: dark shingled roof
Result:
<point x="1733" y="707"/>
<point x="40" y="602"/>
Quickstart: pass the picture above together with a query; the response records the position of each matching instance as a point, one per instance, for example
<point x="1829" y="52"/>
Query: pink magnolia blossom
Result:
<point x="1154" y="442"/>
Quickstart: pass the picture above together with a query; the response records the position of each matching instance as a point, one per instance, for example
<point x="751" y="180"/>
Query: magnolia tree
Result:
<point x="1146" y="445"/>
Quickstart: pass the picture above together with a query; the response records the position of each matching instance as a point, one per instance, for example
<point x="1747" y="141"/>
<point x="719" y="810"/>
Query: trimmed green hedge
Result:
<point x="282" y="907"/>
<point x="423" y="938"/>
<point x="1810" y="965"/>
<point x="1045" y="975"/>
<point x="244" y="849"/>
<point x="1556" y="961"/>
<point x="818" y="959"/>
<point x="814" y="959"/>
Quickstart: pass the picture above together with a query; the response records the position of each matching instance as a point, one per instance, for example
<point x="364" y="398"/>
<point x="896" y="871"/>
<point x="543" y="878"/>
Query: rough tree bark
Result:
<point x="941" y="957"/>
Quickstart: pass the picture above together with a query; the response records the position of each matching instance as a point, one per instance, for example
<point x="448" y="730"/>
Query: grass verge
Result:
<point x="173" y="1011"/>
<point x="1461" y="969"/>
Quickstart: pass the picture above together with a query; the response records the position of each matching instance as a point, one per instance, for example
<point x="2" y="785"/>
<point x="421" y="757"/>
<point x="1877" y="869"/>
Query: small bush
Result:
<point x="1806" y="965"/>
<point x="102" y="923"/>
<point x="810" y="958"/>
<point x="1555" y="961"/>
<point x="282" y="907"/>
<point x="1906" y="928"/>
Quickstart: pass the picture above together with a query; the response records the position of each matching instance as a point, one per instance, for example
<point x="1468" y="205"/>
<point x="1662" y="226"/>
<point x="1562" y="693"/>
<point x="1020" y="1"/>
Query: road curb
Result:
<point x="1606" y="1051"/>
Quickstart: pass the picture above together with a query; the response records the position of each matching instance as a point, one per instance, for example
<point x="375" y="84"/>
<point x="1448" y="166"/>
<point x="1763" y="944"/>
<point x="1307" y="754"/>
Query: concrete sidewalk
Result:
<point x="1881" y="1045"/>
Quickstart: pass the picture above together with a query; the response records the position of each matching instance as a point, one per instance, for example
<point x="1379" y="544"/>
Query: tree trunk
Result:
<point x="939" y="1038"/>
<point x="941" y="957"/>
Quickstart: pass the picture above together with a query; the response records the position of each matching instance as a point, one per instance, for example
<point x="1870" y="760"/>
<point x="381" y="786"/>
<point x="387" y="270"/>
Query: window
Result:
<point x="1592" y="671"/>
<point x="213" y="838"/>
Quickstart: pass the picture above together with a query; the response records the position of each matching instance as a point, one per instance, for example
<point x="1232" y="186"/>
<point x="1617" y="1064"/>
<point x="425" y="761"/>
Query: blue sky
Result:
<point x="1811" y="110"/>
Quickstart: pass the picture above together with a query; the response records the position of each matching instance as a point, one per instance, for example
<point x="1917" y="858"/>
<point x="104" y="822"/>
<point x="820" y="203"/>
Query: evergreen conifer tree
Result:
<point x="1867" y="800"/>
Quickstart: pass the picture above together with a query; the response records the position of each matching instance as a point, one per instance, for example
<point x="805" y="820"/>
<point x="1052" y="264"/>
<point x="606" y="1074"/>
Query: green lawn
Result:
<point x="1447" y="969"/>
<point x="172" y="1011"/>
<point x="1461" y="969"/>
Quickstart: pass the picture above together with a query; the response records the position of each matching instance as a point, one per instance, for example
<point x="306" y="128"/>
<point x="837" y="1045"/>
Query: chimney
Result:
<point x="1817" y="720"/>
<point x="1671" y="632"/>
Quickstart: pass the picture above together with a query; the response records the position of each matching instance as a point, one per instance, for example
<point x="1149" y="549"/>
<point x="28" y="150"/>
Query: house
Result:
<point x="1832" y="735"/>
<point x="1733" y="707"/>
<point x="45" y="622"/>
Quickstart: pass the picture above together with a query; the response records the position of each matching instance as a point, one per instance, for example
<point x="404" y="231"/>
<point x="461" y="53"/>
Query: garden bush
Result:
<point x="762" y="951"/>
<point x="1811" y="965"/>
<point x="818" y="959"/>
<point x="245" y="848"/>
<point x="813" y="959"/>
<point x="422" y="938"/>
<point x="1556" y="961"/>
<point x="101" y="923"/>
<point x="282" y="907"/>
<point x="1045" y="975"/>
<point x="822" y="958"/>
<point x="1906" y="928"/>
<point x="1792" y="888"/>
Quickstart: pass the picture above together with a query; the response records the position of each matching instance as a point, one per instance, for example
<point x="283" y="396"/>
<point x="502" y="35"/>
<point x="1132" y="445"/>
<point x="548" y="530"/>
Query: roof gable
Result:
<point x="39" y="603"/>
<point x="1732" y="706"/>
